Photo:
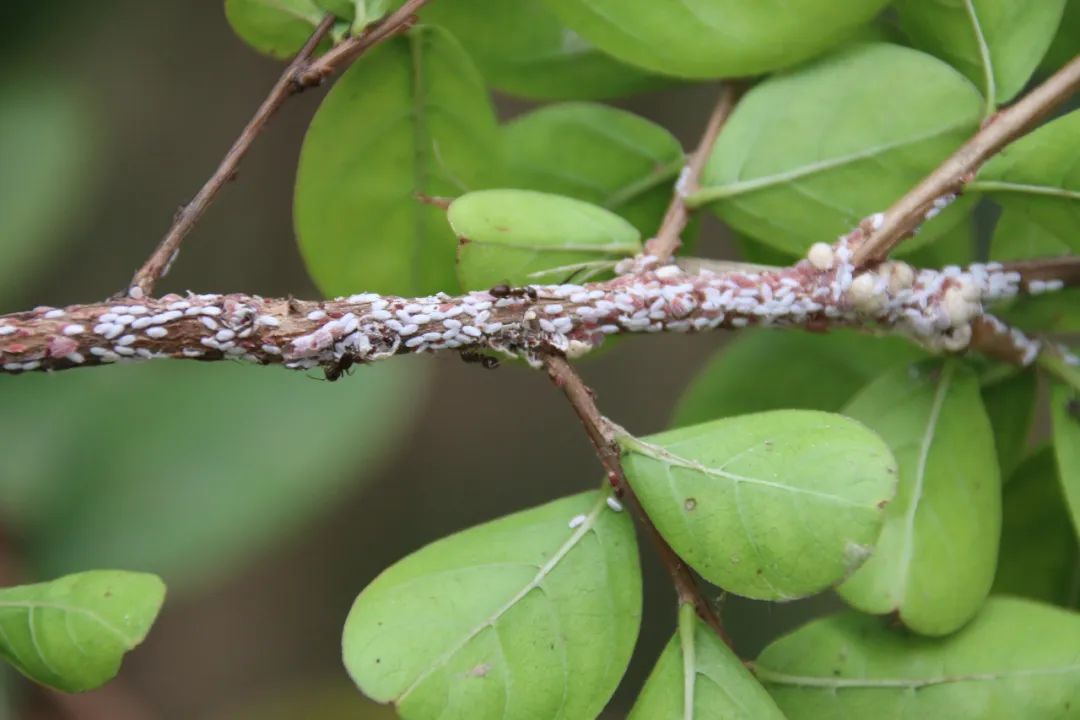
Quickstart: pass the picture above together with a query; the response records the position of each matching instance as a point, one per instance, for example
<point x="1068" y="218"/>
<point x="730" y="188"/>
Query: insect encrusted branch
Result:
<point x="580" y="396"/>
<point x="949" y="179"/>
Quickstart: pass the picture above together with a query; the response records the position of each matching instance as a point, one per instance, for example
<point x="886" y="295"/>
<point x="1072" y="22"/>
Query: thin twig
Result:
<point x="949" y="179"/>
<point x="301" y="73"/>
<point x="158" y="263"/>
<point x="667" y="239"/>
<point x="564" y="376"/>
<point x="344" y="53"/>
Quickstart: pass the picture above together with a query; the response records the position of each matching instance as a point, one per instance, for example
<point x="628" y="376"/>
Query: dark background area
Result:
<point x="163" y="88"/>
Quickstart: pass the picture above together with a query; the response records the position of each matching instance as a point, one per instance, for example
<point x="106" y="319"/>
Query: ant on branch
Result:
<point x="472" y="356"/>
<point x="341" y="366"/>
<point x="504" y="291"/>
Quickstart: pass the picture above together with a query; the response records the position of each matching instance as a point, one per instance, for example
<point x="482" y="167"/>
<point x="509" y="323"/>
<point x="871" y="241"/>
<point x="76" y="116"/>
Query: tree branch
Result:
<point x="564" y="376"/>
<point x="667" y="241"/>
<point x="934" y="308"/>
<point x="300" y="74"/>
<point x="949" y="179"/>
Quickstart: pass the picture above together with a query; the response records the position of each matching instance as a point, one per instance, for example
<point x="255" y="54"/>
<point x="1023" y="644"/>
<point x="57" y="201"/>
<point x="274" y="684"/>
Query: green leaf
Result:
<point x="698" y="678"/>
<point x="1065" y="412"/>
<point x="186" y="469"/>
<point x="936" y="557"/>
<point x="715" y="38"/>
<point x="1010" y="405"/>
<point x="997" y="44"/>
<point x="344" y="9"/>
<point x="533" y="615"/>
<point x="830" y="368"/>
<point x="278" y="28"/>
<point x="410" y="117"/>
<point x="955" y="246"/>
<point x="1066" y="44"/>
<point x="1016" y="659"/>
<point x="598" y="154"/>
<point x="776" y="505"/>
<point x="523" y="49"/>
<point x="71" y="633"/>
<point x="1039" y="555"/>
<point x="1039" y="173"/>
<point x="523" y="237"/>
<point x="47" y="143"/>
<point x="806" y="155"/>
<point x="1020" y="236"/>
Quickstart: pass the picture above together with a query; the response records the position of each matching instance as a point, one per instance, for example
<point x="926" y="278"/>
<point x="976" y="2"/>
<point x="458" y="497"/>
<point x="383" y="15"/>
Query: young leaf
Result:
<point x="598" y="154"/>
<point x="699" y="678"/>
<point x="522" y="237"/>
<point x="1016" y="659"/>
<point x="1039" y="557"/>
<point x="808" y="154"/>
<point x="242" y="458"/>
<point x="997" y="44"/>
<point x="410" y="117"/>
<point x="523" y="49"/>
<point x="774" y="506"/>
<point x="828" y="370"/>
<point x="71" y="633"/>
<point x="936" y="557"/>
<point x="714" y="38"/>
<point x="1010" y="405"/>
<point x="1039" y="173"/>
<point x="1065" y="412"/>
<point x="533" y="615"/>
<point x="278" y="28"/>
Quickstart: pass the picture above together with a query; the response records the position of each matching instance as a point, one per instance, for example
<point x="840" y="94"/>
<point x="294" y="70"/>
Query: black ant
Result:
<point x="1073" y="408"/>
<point x="505" y="291"/>
<point x="342" y="366"/>
<point x="471" y="356"/>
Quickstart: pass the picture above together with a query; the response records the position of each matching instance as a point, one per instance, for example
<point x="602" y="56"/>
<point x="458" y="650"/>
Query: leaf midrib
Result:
<point x="835" y="683"/>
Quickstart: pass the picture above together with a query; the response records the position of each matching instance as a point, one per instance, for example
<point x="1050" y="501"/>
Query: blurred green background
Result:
<point x="265" y="499"/>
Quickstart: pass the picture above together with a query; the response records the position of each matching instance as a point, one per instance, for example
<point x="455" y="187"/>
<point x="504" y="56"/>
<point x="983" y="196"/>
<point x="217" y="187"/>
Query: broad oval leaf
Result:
<point x="935" y="561"/>
<point x="830" y="368"/>
<point x="715" y="38"/>
<point x="997" y="44"/>
<point x="533" y="615"/>
<point x="1039" y="173"/>
<point x="523" y="49"/>
<point x="1010" y="406"/>
<point x="241" y="458"/>
<point x="776" y="505"/>
<point x="599" y="154"/>
<point x="699" y="678"/>
<point x="523" y="237"/>
<point x="807" y="155"/>
<point x="1016" y="659"/>
<point x="1065" y="411"/>
<point x="278" y="28"/>
<point x="71" y="633"/>
<point x="1039" y="556"/>
<point x="410" y="117"/>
